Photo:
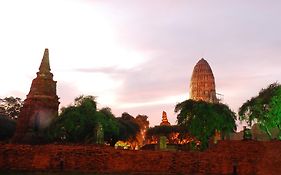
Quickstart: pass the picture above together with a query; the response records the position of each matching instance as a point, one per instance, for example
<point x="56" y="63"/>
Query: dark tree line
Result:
<point x="9" y="112"/>
<point x="76" y="123"/>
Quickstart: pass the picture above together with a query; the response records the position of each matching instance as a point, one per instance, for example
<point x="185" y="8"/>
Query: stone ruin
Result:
<point x="202" y="85"/>
<point x="40" y="106"/>
<point x="165" y="121"/>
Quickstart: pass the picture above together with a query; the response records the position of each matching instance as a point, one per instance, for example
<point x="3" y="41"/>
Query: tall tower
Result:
<point x="202" y="85"/>
<point x="40" y="106"/>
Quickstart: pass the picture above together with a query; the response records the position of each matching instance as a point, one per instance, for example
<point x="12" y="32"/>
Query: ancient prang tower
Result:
<point x="202" y="85"/>
<point x="40" y="106"/>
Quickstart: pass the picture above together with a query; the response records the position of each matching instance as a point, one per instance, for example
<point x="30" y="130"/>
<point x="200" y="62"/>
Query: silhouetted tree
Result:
<point x="127" y="116"/>
<point x="142" y="121"/>
<point x="7" y="127"/>
<point x="128" y="127"/>
<point x="202" y="119"/>
<point x="75" y="122"/>
<point x="264" y="109"/>
<point x="10" y="107"/>
<point x="111" y="126"/>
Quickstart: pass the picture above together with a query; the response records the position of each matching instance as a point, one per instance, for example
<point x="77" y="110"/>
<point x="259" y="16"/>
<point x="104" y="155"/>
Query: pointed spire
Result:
<point x="164" y="119"/>
<point x="45" y="64"/>
<point x="202" y="60"/>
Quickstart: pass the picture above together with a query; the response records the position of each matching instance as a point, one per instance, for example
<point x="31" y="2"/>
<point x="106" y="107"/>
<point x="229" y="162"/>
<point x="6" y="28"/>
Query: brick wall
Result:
<point x="250" y="157"/>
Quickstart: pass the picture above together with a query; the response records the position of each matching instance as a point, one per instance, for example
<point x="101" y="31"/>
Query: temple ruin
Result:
<point x="40" y="106"/>
<point x="202" y="85"/>
<point x="165" y="121"/>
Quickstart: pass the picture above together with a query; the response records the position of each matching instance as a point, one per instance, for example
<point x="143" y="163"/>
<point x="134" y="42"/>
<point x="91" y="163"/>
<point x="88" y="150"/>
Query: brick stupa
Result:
<point x="40" y="107"/>
<point x="202" y="86"/>
<point x="165" y="121"/>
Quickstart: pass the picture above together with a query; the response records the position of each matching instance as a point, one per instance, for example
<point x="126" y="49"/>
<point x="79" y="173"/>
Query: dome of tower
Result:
<point x="202" y="85"/>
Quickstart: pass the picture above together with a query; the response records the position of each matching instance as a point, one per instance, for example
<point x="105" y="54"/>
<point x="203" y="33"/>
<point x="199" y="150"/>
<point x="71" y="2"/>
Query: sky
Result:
<point x="137" y="56"/>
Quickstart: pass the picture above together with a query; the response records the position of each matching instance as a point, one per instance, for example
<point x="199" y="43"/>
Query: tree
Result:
<point x="7" y="127"/>
<point x="203" y="119"/>
<point x="225" y="118"/>
<point x="274" y="115"/>
<point x="132" y="129"/>
<point x="127" y="116"/>
<point x="76" y="122"/>
<point x="10" y="107"/>
<point x="128" y="127"/>
<point x="86" y="101"/>
<point x="9" y="111"/>
<point x="263" y="109"/>
<point x="110" y="124"/>
<point x="143" y="123"/>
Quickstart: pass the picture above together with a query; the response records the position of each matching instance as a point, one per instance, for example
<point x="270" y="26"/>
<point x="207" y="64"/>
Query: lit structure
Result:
<point x="40" y="107"/>
<point x="165" y="121"/>
<point x="202" y="85"/>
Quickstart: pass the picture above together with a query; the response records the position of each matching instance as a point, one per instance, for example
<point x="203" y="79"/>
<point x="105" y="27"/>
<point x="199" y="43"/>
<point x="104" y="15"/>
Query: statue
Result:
<point x="99" y="133"/>
<point x="247" y="135"/>
<point x="163" y="142"/>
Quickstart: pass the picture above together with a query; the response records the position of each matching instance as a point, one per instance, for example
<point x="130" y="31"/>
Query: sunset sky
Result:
<point x="137" y="56"/>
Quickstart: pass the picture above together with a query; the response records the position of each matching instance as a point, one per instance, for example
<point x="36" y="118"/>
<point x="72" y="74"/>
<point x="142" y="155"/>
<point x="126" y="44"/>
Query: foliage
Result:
<point x="128" y="127"/>
<point x="9" y="111"/>
<point x="142" y="121"/>
<point x="110" y="125"/>
<point x="74" y="124"/>
<point x="127" y="116"/>
<point x="77" y="123"/>
<point x="257" y="107"/>
<point x="274" y="115"/>
<point x="132" y="130"/>
<point x="86" y="102"/>
<point x="10" y="107"/>
<point x="264" y="109"/>
<point x="202" y="119"/>
<point x="7" y="127"/>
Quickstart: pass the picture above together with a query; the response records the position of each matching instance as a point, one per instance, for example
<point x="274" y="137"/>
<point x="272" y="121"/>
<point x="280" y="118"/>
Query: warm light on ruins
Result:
<point x="140" y="87"/>
<point x="202" y="85"/>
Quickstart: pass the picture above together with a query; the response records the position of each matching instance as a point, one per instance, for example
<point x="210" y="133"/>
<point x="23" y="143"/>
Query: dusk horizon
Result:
<point x="138" y="57"/>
